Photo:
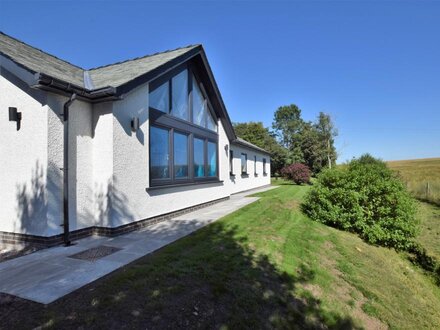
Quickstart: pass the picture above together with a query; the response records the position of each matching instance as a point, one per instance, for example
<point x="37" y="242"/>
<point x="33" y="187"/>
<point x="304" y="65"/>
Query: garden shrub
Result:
<point x="298" y="173"/>
<point x="367" y="198"/>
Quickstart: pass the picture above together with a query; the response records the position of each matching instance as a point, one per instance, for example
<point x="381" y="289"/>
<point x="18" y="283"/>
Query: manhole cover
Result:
<point x="95" y="253"/>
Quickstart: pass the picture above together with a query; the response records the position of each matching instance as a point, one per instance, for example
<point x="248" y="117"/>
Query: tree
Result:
<point x="327" y="133"/>
<point x="256" y="133"/>
<point x="288" y="124"/>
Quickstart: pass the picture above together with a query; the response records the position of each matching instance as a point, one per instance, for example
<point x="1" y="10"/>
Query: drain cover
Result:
<point x="95" y="253"/>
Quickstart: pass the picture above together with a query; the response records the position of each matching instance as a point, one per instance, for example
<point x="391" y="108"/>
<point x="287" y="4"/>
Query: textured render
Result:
<point x="47" y="275"/>
<point x="23" y="157"/>
<point x="240" y="182"/>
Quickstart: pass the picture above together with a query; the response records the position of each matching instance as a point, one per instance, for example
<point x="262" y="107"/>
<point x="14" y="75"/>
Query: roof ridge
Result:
<point x="40" y="50"/>
<point x="145" y="56"/>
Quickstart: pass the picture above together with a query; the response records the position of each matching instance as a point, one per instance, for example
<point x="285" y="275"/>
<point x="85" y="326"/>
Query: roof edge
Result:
<point x="244" y="143"/>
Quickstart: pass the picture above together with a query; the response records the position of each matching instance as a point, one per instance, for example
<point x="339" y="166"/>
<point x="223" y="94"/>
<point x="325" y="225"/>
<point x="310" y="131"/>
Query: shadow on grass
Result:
<point x="210" y="279"/>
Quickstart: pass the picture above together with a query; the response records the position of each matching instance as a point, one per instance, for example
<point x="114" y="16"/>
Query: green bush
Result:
<point x="367" y="198"/>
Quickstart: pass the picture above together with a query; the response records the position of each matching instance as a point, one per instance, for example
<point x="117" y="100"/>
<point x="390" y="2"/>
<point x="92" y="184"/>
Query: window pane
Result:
<point x="180" y="155"/>
<point x="212" y="159"/>
<point x="199" y="158"/>
<point x="255" y="164"/>
<point x="199" y="111"/>
<point x="231" y="162"/>
<point x="264" y="165"/>
<point x="179" y="91"/>
<point x="243" y="163"/>
<point x="159" y="98"/>
<point x="159" y="151"/>
<point x="210" y="122"/>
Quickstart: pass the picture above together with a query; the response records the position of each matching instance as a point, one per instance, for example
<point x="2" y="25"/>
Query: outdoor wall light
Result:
<point x="134" y="124"/>
<point x="15" y="116"/>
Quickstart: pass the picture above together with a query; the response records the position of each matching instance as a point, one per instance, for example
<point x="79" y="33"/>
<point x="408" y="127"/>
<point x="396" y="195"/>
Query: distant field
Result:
<point x="422" y="177"/>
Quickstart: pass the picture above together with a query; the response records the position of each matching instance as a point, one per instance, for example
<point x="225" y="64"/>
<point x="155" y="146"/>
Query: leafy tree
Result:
<point x="298" y="173"/>
<point x="288" y="124"/>
<point x="256" y="133"/>
<point x="327" y="132"/>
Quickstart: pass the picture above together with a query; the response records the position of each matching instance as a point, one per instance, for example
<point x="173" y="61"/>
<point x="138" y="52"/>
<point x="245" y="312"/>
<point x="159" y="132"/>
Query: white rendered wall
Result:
<point x="253" y="179"/>
<point x="23" y="158"/>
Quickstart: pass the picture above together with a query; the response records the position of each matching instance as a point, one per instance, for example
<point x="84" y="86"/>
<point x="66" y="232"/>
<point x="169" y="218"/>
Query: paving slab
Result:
<point x="47" y="275"/>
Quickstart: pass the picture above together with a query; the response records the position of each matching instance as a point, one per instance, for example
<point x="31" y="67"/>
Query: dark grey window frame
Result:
<point x="171" y="123"/>
<point x="255" y="165"/>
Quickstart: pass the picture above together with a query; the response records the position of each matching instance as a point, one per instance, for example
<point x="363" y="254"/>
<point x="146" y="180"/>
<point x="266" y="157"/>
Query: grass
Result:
<point x="264" y="266"/>
<point x="417" y="174"/>
<point x="429" y="236"/>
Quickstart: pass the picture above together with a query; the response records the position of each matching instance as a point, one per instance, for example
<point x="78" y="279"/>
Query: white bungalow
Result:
<point x="114" y="148"/>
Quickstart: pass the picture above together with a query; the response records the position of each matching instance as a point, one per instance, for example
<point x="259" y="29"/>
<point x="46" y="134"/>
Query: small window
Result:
<point x="159" y="150"/>
<point x="159" y="98"/>
<point x="180" y="156"/>
<point x="264" y="166"/>
<point x="255" y="164"/>
<point x="231" y="162"/>
<point x="179" y="88"/>
<point x="243" y="164"/>
<point x="212" y="159"/>
<point x="199" y="158"/>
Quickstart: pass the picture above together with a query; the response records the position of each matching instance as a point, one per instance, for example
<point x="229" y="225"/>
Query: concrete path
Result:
<point x="49" y="274"/>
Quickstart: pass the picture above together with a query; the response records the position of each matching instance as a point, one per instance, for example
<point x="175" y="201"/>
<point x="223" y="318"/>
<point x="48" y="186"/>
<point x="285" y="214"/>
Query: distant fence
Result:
<point x="426" y="190"/>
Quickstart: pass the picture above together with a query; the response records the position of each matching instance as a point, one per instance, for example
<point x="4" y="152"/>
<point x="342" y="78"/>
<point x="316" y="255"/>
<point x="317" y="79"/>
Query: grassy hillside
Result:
<point x="417" y="174"/>
<point x="264" y="266"/>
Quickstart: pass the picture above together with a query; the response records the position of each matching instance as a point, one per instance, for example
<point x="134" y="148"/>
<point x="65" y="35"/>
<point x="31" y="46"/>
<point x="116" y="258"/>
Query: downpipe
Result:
<point x="65" y="115"/>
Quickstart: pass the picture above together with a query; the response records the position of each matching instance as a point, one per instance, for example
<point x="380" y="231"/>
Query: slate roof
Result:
<point x="38" y="61"/>
<point x="245" y="143"/>
<point x="113" y="75"/>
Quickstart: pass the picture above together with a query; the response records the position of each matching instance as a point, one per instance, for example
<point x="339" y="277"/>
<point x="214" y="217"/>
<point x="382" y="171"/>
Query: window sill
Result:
<point x="255" y="174"/>
<point x="265" y="174"/>
<point x="244" y="175"/>
<point x="186" y="184"/>
<point x="232" y="175"/>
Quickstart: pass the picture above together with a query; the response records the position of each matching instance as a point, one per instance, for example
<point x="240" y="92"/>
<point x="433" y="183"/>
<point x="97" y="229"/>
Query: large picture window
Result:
<point x="183" y="130"/>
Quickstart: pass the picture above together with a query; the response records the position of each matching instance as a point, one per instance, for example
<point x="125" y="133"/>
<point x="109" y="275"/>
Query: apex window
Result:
<point x="183" y="130"/>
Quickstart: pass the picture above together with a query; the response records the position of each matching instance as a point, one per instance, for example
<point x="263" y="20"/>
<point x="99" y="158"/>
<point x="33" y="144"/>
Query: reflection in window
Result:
<point x="199" y="111"/>
<point x="159" y="98"/>
<point x="179" y="87"/>
<point x="243" y="163"/>
<point x="210" y="122"/>
<point x="212" y="159"/>
<point x="180" y="155"/>
<point x="264" y="166"/>
<point x="159" y="151"/>
<point x="199" y="158"/>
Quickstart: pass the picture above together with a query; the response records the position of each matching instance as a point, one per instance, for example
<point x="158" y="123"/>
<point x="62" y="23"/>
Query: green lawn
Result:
<point x="264" y="266"/>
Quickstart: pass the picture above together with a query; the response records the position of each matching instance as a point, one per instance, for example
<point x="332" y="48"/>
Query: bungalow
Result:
<point x="113" y="148"/>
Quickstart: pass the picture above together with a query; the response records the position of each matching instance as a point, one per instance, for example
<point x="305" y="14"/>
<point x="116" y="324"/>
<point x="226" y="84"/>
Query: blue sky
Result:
<point x="373" y="65"/>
